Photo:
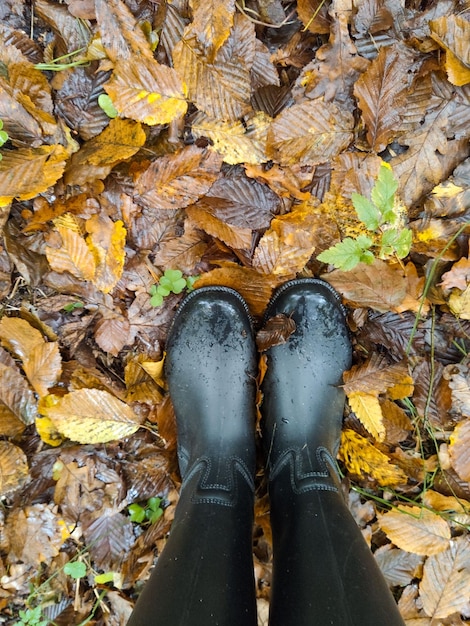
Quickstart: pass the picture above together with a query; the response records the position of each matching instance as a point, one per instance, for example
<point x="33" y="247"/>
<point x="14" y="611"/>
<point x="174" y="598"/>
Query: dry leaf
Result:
<point x="92" y="416"/>
<point x="212" y="21"/>
<point x="19" y="337"/>
<point x="416" y="530"/>
<point x="106" y="240"/>
<point x="446" y="580"/>
<point x="458" y="276"/>
<point x="72" y="256"/>
<point x="398" y="567"/>
<point x="459" y="450"/>
<point x="367" y="408"/>
<point x="17" y="402"/>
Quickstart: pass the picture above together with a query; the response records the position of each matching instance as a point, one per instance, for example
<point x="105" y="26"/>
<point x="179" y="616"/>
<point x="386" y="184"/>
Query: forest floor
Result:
<point x="152" y="147"/>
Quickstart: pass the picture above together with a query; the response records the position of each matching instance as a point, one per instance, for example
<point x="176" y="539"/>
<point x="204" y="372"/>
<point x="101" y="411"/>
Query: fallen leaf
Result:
<point x="106" y="240"/>
<point x="458" y="276"/>
<point x="361" y="457"/>
<point x="459" y="449"/>
<point x="72" y="256"/>
<point x="452" y="32"/>
<point x="18" y="336"/>
<point x="92" y="416"/>
<point x="416" y="530"/>
<point x="43" y="367"/>
<point x="367" y="408"/>
<point x="275" y="332"/>
<point x="398" y="567"/>
<point x="13" y="468"/>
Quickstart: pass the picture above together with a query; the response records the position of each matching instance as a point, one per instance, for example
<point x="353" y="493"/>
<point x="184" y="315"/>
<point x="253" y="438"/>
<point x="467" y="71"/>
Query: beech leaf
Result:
<point x="13" y="468"/>
<point x="73" y="256"/>
<point x="43" y="367"/>
<point x="459" y="450"/>
<point x="416" y="530"/>
<point x="92" y="416"/>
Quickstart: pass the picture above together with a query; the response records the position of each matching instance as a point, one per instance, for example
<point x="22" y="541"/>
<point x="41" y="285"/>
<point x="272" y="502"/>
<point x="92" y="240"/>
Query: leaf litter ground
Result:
<point x="240" y="135"/>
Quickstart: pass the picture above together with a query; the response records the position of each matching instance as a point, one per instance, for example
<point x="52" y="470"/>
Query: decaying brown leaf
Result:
<point x="275" y="332"/>
<point x="13" y="468"/>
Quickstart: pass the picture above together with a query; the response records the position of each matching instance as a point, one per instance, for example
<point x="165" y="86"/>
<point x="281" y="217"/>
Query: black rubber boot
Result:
<point x="204" y="576"/>
<point x="323" y="571"/>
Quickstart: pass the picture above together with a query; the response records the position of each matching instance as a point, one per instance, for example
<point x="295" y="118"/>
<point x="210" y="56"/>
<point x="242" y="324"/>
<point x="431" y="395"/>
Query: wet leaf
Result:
<point x="92" y="416"/>
<point x="452" y="33"/>
<point x="364" y="460"/>
<point x="106" y="241"/>
<point x="13" y="468"/>
<point x="72" y="256"/>
<point x="275" y="332"/>
<point x="310" y="132"/>
<point x="459" y="450"/>
<point x="416" y="530"/>
<point x="19" y="336"/>
<point x="43" y="367"/>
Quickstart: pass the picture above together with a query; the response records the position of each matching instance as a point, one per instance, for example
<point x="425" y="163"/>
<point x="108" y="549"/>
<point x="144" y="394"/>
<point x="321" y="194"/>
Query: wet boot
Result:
<point x="204" y="576"/>
<point x="323" y="571"/>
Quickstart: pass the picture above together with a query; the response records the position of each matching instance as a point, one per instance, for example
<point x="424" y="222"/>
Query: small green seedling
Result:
<point x="75" y="569"/>
<point x="147" y="514"/>
<point x="172" y="281"/>
<point x="382" y="216"/>
<point x="68" y="308"/>
<point x="32" y="617"/>
<point x="105" y="103"/>
<point x="57" y="65"/>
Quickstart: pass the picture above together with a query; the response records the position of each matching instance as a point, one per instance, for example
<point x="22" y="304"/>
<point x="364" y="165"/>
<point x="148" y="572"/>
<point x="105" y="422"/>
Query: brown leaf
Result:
<point x="378" y="286"/>
<point x="381" y="92"/>
<point x="311" y="132"/>
<point x="432" y="395"/>
<point x="314" y="16"/>
<point x="398" y="567"/>
<point x="458" y="276"/>
<point x="43" y="367"/>
<point x="109" y="538"/>
<point x="34" y="534"/>
<point x="376" y="376"/>
<point x="222" y="88"/>
<point x="397" y="424"/>
<point x="289" y="243"/>
<point x="106" y="240"/>
<point x="113" y="333"/>
<point x="256" y="288"/>
<point x="17" y="402"/>
<point x="13" y="468"/>
<point x="275" y="332"/>
<point x="235" y="237"/>
<point x="177" y="180"/>
<point x="182" y="252"/>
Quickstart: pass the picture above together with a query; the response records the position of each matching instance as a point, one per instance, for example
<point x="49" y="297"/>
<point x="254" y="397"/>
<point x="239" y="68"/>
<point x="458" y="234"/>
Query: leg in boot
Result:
<point x="323" y="571"/>
<point x="204" y="576"/>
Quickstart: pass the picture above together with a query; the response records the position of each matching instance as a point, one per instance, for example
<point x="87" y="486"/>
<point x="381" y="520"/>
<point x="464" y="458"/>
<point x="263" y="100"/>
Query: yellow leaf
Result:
<point x="401" y="390"/>
<point x="48" y="432"/>
<point x="143" y="90"/>
<point x="236" y="142"/>
<point x="154" y="369"/>
<point x="13" y="468"/>
<point x="459" y="303"/>
<point x="213" y="20"/>
<point x="367" y="408"/>
<point x="120" y="140"/>
<point x="92" y="416"/>
<point x="27" y="172"/>
<point x="435" y="500"/>
<point x="19" y="337"/>
<point x="446" y="580"/>
<point x="361" y="457"/>
<point x="106" y="241"/>
<point x="416" y="530"/>
<point x="43" y="367"/>
<point x="459" y="450"/>
<point x="73" y="256"/>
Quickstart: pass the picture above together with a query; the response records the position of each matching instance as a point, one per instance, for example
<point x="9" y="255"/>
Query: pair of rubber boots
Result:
<point x="323" y="571"/>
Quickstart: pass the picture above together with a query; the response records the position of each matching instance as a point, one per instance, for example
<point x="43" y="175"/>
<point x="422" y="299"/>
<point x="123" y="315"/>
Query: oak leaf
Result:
<point x="416" y="530"/>
<point x="361" y="457"/>
<point x="92" y="416"/>
<point x="310" y="132"/>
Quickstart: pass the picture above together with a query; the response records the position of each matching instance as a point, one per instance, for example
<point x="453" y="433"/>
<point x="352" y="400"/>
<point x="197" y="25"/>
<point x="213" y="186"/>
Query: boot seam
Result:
<point x="301" y="481"/>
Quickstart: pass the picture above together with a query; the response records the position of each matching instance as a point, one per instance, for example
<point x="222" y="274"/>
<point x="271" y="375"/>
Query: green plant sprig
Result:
<point x="172" y="281"/>
<point x="147" y="514"/>
<point x="56" y="66"/>
<point x="3" y="136"/>
<point x="381" y="215"/>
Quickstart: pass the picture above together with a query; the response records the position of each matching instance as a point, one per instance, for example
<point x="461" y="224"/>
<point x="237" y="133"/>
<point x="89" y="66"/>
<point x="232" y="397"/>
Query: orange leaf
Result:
<point x="106" y="241"/>
<point x="13" y="468"/>
<point x="459" y="450"/>
<point x="19" y="337"/>
<point x="73" y="256"/>
<point x="43" y="367"/>
<point x="237" y="238"/>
